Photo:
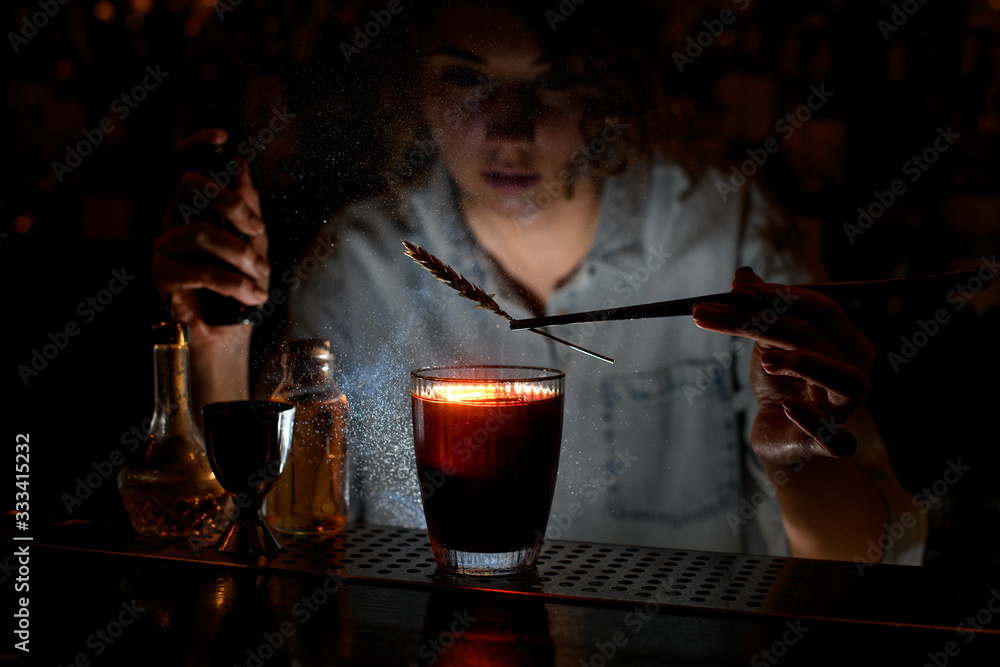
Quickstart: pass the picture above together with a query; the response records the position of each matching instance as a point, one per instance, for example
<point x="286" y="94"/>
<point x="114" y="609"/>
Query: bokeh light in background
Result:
<point x="104" y="11"/>
<point x="24" y="223"/>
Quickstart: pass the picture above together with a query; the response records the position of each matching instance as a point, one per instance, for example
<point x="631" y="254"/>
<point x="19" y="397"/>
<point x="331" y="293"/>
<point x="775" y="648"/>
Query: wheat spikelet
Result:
<point x="454" y="280"/>
<point x="476" y="294"/>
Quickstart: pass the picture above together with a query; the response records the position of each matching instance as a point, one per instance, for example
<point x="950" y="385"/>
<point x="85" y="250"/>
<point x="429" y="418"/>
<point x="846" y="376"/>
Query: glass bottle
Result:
<point x="169" y="488"/>
<point x="311" y="494"/>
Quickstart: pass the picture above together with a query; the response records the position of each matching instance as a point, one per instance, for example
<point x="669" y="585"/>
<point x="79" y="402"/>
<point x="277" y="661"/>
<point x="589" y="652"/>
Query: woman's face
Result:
<point x="506" y="121"/>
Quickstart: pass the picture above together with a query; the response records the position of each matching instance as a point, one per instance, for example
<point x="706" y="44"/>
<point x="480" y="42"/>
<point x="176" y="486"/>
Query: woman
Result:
<point x="725" y="433"/>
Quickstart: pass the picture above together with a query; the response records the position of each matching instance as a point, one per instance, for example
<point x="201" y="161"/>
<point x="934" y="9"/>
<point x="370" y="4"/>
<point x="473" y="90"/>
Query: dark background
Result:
<point x="60" y="241"/>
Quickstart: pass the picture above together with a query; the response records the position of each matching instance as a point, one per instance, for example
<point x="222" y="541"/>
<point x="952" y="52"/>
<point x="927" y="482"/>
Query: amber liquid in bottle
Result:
<point x="311" y="494"/>
<point x="154" y="517"/>
<point x="169" y="489"/>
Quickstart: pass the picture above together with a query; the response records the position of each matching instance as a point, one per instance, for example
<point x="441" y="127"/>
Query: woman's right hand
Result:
<point x="182" y="256"/>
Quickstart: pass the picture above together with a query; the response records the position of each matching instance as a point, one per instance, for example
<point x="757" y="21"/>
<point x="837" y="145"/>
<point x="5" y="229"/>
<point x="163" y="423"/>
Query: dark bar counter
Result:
<point x="372" y="596"/>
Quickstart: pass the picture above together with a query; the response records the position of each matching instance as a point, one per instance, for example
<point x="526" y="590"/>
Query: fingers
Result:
<point x="827" y="437"/>
<point x="766" y="326"/>
<point x="209" y="135"/>
<point x="237" y="200"/>
<point x="793" y="432"/>
<point x="786" y="317"/>
<point x="843" y="382"/>
<point x="203" y="237"/>
<point x="812" y="365"/>
<point x="745" y="276"/>
<point x="260" y="244"/>
<point x="198" y="193"/>
<point x="173" y="275"/>
<point x="778" y="439"/>
<point x="244" y="187"/>
<point x="193" y="253"/>
<point x="202" y="255"/>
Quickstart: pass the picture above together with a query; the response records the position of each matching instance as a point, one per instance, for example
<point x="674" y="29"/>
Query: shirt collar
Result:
<point x="627" y="202"/>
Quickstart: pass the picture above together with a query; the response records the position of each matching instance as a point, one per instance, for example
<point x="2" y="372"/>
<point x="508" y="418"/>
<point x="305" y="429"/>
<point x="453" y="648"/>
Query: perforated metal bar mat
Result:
<point x="896" y="595"/>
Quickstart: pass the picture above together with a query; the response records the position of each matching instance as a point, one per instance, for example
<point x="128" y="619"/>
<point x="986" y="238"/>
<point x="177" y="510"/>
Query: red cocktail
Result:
<point x="487" y="444"/>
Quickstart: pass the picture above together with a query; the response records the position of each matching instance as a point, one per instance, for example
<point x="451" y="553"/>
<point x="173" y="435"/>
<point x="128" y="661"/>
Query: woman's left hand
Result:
<point x="810" y="369"/>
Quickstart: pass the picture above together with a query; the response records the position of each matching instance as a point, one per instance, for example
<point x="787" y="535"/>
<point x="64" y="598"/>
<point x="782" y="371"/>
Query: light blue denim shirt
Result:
<point x="655" y="447"/>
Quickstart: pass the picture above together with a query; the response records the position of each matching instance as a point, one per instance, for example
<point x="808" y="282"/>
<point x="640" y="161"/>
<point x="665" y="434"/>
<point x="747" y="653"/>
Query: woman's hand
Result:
<point x="810" y="366"/>
<point x="182" y="256"/>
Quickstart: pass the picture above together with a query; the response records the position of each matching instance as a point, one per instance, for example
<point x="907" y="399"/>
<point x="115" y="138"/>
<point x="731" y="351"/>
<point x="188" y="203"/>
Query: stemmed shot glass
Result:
<point x="247" y="444"/>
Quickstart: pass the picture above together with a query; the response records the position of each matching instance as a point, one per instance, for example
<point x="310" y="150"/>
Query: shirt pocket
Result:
<point x="678" y="426"/>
